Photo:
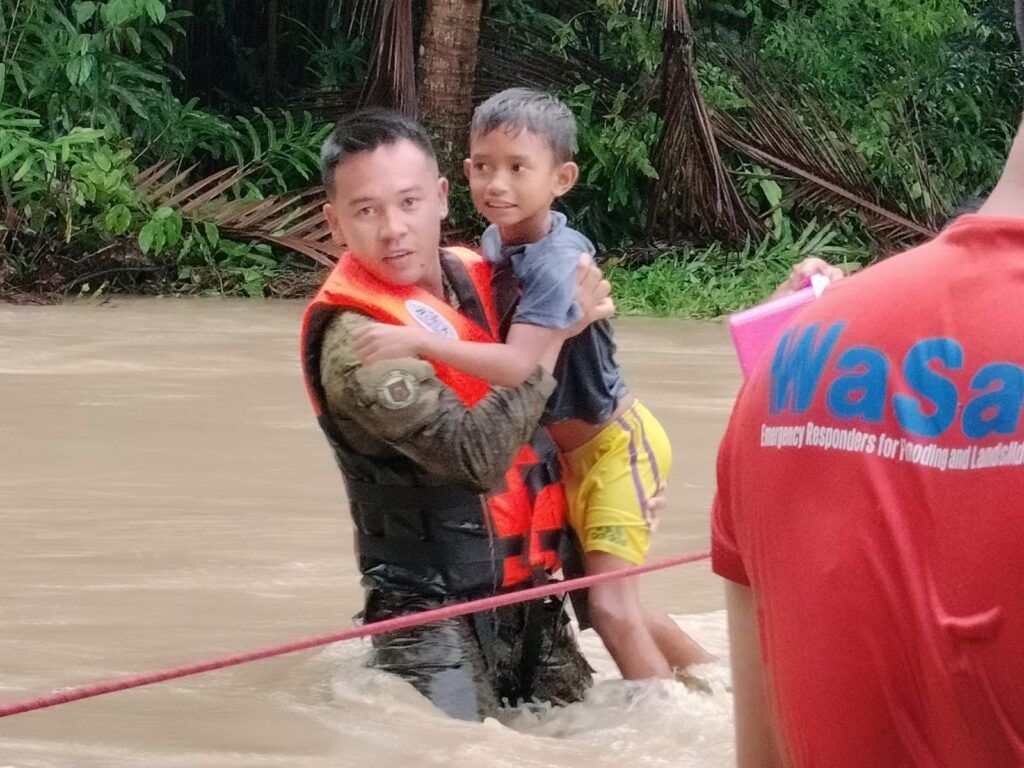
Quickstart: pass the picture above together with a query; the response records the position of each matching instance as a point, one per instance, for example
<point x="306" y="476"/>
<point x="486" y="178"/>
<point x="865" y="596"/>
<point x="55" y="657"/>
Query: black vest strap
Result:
<point x="469" y="299"/>
<point x="428" y="499"/>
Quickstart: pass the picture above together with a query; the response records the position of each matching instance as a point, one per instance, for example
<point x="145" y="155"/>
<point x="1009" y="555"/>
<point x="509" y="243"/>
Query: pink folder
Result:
<point x="754" y="329"/>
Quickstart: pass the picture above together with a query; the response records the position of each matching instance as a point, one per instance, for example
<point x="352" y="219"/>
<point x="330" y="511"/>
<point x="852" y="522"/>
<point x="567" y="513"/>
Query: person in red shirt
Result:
<point x="868" y="515"/>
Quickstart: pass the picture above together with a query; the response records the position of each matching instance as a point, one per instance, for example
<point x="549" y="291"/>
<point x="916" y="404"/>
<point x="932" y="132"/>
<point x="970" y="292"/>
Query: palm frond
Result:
<point x="392" y="78"/>
<point x="295" y="222"/>
<point x="327" y="103"/>
<point x="531" y="62"/>
<point x="670" y="14"/>
<point x="790" y="131"/>
<point x="362" y="15"/>
<point x="694" y="191"/>
<point x="148" y="176"/>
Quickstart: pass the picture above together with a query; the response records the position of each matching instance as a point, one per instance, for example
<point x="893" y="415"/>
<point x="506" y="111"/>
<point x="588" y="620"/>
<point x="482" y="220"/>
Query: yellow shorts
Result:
<point x="609" y="479"/>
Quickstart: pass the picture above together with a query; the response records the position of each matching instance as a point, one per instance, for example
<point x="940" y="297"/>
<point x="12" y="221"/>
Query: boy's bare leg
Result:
<point x="678" y="648"/>
<point x="621" y="621"/>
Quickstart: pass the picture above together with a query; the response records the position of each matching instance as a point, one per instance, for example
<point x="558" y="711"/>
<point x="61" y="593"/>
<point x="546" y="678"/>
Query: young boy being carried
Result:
<point x="615" y="453"/>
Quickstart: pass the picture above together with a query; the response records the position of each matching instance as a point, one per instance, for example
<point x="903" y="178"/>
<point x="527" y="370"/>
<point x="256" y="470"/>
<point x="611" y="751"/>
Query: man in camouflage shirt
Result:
<point x="395" y="419"/>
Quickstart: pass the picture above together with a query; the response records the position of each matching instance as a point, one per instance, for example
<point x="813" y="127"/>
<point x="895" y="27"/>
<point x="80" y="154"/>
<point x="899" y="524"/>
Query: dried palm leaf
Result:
<point x="150" y="175"/>
<point x="294" y="222"/>
<point x="694" y="192"/>
<point x="532" y="63"/>
<point x="790" y="131"/>
<point x="327" y="103"/>
<point x="671" y="14"/>
<point x="392" y="78"/>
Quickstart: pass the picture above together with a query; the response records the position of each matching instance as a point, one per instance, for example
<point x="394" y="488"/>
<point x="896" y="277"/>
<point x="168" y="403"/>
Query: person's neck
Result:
<point x="529" y="230"/>
<point x="433" y="281"/>
<point x="1007" y="199"/>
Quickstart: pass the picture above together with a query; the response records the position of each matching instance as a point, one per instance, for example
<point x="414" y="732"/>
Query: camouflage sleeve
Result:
<point x="403" y="404"/>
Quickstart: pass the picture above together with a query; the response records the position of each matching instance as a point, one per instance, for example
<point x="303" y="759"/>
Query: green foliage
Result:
<point x="90" y="91"/>
<point x="85" y="101"/>
<point x="74" y="194"/>
<point x="280" y="155"/>
<point x="890" y="69"/>
<point x="621" y="39"/>
<point x="614" y="155"/>
<point x="93" y="64"/>
<point x="617" y="129"/>
<point x="926" y="88"/>
<point x="208" y="263"/>
<point x="71" y="185"/>
<point x="337" y="60"/>
<point x="711" y="281"/>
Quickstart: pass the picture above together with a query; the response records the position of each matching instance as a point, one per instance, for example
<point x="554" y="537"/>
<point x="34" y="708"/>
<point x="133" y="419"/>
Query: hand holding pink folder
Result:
<point x="753" y="329"/>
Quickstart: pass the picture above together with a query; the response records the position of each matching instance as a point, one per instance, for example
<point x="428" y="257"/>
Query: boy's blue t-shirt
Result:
<point x="535" y="284"/>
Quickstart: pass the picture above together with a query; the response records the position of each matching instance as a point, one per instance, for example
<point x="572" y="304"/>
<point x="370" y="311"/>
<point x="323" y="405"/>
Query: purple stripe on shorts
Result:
<point x="635" y="469"/>
<point x="650" y="454"/>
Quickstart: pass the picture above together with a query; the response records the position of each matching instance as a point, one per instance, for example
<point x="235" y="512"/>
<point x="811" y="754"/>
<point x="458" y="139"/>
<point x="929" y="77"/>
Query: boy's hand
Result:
<point x="802" y="273"/>
<point x="378" y="341"/>
<point x="593" y="294"/>
<point x="656" y="505"/>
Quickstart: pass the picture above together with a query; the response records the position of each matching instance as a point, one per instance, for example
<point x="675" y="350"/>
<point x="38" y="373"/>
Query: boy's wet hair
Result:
<point x="518" y="109"/>
<point x="364" y="131"/>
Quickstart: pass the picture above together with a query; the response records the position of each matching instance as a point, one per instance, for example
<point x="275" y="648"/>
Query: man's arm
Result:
<point x="403" y="404"/>
<point x="757" y="744"/>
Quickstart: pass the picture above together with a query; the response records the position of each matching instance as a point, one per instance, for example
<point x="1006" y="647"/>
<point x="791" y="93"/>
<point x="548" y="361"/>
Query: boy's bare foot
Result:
<point x="691" y="680"/>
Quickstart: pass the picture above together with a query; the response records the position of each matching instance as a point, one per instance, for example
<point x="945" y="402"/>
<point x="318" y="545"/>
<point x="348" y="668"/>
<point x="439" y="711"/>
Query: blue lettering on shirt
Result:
<point x="939" y="392"/>
<point x="1004" y="401"/>
<point x="861" y="392"/>
<point x="857" y="385"/>
<point x="797" y="367"/>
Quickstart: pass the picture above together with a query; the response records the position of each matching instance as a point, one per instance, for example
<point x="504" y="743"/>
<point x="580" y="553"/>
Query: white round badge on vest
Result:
<point x="430" y="319"/>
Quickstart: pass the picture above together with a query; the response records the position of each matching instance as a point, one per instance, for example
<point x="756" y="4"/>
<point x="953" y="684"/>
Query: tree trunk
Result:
<point x="694" y="192"/>
<point x="1020" y="22"/>
<point x="447" y="66"/>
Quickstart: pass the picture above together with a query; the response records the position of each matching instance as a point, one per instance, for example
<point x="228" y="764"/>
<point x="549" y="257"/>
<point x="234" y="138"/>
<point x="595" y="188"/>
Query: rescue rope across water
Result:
<point x="367" y="630"/>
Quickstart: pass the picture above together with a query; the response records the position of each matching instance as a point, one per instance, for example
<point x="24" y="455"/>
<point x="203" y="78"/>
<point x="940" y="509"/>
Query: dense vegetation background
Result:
<point x="159" y="146"/>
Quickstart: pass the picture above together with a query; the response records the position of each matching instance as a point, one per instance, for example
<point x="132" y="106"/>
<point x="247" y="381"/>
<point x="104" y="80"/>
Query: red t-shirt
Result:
<point x="871" y="492"/>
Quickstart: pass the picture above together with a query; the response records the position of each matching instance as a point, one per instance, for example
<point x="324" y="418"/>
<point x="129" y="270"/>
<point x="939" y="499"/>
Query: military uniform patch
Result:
<point x="397" y="390"/>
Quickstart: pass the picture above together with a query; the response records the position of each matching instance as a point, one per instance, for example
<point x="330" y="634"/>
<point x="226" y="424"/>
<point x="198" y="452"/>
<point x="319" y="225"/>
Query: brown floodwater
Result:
<point x="166" y="496"/>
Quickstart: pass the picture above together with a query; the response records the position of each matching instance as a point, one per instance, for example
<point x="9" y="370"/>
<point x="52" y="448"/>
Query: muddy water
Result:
<point x="165" y="496"/>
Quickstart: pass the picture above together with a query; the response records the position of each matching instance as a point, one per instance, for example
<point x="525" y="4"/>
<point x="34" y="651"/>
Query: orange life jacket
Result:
<point x="422" y="525"/>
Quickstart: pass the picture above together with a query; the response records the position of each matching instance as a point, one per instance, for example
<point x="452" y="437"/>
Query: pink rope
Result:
<point x="366" y="630"/>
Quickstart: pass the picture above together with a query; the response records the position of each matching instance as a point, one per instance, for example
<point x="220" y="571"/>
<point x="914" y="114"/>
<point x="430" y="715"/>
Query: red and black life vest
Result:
<point x="415" y="527"/>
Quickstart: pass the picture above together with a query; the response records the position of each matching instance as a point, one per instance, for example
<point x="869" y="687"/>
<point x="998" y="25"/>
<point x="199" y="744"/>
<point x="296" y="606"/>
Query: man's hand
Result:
<point x="802" y="273"/>
<point x="378" y="341"/>
<point x="593" y="294"/>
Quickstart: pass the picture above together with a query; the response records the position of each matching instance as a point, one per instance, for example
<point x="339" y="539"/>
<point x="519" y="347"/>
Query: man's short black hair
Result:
<point x="363" y="131"/>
